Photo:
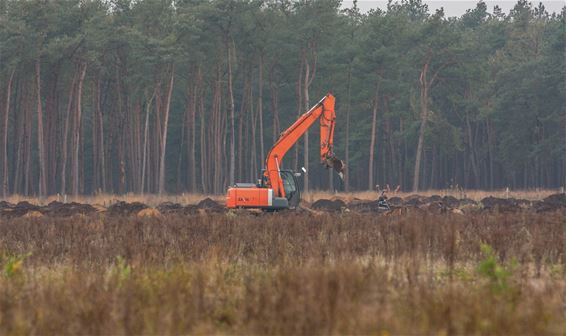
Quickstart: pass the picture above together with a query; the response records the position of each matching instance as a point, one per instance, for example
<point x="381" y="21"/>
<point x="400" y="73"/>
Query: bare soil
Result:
<point x="435" y="204"/>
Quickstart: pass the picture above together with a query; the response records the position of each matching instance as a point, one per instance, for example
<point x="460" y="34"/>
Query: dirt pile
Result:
<point x="467" y="202"/>
<point x="433" y="204"/>
<point x="366" y="206"/>
<point x="432" y="199"/>
<point x="58" y="209"/>
<point x="19" y="210"/>
<point x="450" y="201"/>
<point x="437" y="207"/>
<point x="211" y="205"/>
<point x="329" y="205"/>
<point x="122" y="208"/>
<point x="395" y="201"/>
<point x="413" y="200"/>
<point x="551" y="203"/>
<point x="6" y="205"/>
<point x="168" y="208"/>
<point x="501" y="204"/>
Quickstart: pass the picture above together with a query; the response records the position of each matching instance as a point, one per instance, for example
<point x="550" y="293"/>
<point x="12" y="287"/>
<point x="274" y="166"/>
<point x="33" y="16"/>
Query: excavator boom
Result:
<point x="323" y="110"/>
<point x="273" y="187"/>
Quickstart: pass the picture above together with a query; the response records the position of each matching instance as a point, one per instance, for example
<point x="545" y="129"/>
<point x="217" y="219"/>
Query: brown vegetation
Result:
<point x="284" y="273"/>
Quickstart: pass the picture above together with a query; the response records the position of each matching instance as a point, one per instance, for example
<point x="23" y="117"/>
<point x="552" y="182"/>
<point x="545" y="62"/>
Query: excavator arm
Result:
<point x="323" y="110"/>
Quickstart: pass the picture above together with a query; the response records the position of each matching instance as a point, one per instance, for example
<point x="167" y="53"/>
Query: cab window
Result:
<point x="288" y="183"/>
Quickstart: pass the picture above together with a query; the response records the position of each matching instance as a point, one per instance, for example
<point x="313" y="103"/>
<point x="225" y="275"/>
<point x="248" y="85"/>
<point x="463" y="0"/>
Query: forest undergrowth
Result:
<point x="286" y="273"/>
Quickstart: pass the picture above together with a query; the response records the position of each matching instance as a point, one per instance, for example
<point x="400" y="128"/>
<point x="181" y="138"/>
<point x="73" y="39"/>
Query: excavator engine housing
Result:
<point x="250" y="195"/>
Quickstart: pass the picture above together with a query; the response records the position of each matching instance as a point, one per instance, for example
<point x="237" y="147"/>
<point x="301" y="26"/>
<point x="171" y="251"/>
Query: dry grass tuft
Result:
<point x="149" y="212"/>
<point x="33" y="214"/>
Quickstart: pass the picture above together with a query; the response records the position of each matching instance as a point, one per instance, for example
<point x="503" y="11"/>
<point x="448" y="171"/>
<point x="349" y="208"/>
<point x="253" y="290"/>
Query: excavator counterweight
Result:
<point x="278" y="188"/>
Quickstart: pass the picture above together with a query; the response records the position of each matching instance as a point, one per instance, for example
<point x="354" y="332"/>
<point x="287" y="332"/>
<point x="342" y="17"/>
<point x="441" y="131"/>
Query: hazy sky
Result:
<point x="458" y="7"/>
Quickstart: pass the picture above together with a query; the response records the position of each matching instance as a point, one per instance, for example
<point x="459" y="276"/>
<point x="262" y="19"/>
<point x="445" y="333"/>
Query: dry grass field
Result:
<point x="308" y="272"/>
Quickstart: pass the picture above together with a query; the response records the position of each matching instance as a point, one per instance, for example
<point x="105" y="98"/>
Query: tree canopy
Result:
<point x="188" y="95"/>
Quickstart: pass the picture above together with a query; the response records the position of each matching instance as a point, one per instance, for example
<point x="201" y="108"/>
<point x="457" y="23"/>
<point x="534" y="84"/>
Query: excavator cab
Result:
<point x="291" y="187"/>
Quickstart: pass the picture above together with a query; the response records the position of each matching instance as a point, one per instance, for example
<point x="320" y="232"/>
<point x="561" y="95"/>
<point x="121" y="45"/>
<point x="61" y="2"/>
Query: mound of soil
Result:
<point x="58" y="209"/>
<point x="395" y="201"/>
<point x="176" y="208"/>
<point x="551" y="203"/>
<point x="190" y="209"/>
<point x="500" y="204"/>
<point x="467" y="202"/>
<point x="365" y="206"/>
<point x="329" y="205"/>
<point x="19" y="210"/>
<point x="6" y="205"/>
<point x="24" y="205"/>
<point x="413" y="200"/>
<point x="437" y="208"/>
<point x="210" y="205"/>
<point x="125" y="209"/>
<point x="450" y="201"/>
<point x="432" y="199"/>
<point x="170" y="208"/>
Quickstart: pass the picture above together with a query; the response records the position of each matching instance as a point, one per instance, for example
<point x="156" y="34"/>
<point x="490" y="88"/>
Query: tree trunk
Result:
<point x="77" y="132"/>
<point x="40" y="136"/>
<point x="65" y="141"/>
<point x="5" y="137"/>
<point x="392" y="143"/>
<point x="181" y="176"/>
<point x="309" y="77"/>
<point x="232" y="118"/>
<point x="373" y="136"/>
<point x="94" y="128"/>
<point x="20" y="121"/>
<point x="306" y="149"/>
<point x="241" y="141"/>
<point x="102" y="156"/>
<point x="347" y="140"/>
<point x="490" y="152"/>
<point x="299" y="106"/>
<point x="424" y="87"/>
<point x="203" y="147"/>
<point x="145" y="150"/>
<point x="156" y="145"/>
<point x="135" y="147"/>
<point x="164" y="139"/>
<point x="260" y="110"/>
<point x="192" y="155"/>
<point x="216" y="161"/>
<point x="52" y="130"/>
<point x="475" y="170"/>
<point x="253" y="127"/>
<point x="274" y="105"/>
<point x="27" y="147"/>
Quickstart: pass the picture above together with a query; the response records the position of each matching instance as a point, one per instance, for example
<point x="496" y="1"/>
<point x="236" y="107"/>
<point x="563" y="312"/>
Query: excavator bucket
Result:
<point x="338" y="165"/>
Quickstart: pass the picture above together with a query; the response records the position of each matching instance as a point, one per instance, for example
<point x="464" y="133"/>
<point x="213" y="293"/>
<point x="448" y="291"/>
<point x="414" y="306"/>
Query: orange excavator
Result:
<point x="278" y="188"/>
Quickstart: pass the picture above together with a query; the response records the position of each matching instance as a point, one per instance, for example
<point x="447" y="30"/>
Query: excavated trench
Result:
<point x="435" y="204"/>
